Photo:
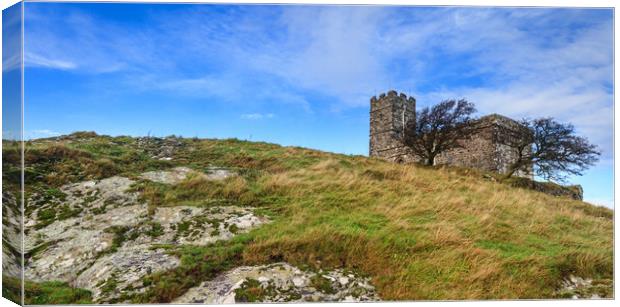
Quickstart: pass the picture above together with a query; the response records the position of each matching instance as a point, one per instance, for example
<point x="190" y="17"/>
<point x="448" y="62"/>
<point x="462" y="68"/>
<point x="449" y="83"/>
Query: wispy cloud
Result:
<point x="518" y="62"/>
<point x="11" y="135"/>
<point x="609" y="203"/>
<point x="32" y="59"/>
<point x="76" y="40"/>
<point x="530" y="65"/>
<point x="11" y="40"/>
<point x="40" y="133"/>
<point x="254" y="116"/>
<point x="11" y="62"/>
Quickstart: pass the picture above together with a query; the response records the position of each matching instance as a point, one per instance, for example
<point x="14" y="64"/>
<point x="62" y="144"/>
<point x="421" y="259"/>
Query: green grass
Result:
<point x="251" y="291"/>
<point x="322" y="284"/>
<point x="109" y="285"/>
<point x="198" y="263"/>
<point x="418" y="232"/>
<point x="155" y="230"/>
<point x="120" y="236"/>
<point x="45" y="293"/>
<point x="55" y="193"/>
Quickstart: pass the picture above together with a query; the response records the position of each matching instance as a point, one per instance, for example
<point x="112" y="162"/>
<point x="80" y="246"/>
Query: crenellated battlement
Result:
<point x="385" y="99"/>
<point x="392" y="93"/>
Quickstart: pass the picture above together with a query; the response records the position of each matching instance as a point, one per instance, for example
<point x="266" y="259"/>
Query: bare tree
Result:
<point x="440" y="128"/>
<point x="550" y="149"/>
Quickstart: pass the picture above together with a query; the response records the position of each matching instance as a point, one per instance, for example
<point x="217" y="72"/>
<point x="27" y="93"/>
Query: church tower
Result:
<point x="390" y="116"/>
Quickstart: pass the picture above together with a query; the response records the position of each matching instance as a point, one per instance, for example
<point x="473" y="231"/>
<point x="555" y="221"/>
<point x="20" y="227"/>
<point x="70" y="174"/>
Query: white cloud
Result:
<point x="31" y="59"/>
<point x="591" y="110"/>
<point x="11" y="135"/>
<point x="225" y="87"/>
<point x="40" y="133"/>
<point x="10" y="62"/>
<point x="318" y="52"/>
<point x="11" y="48"/>
<point x="255" y="116"/>
<point x="531" y="63"/>
<point x="205" y="86"/>
<point x="609" y="203"/>
<point x="75" y="40"/>
<point x="334" y="50"/>
<point x="523" y="62"/>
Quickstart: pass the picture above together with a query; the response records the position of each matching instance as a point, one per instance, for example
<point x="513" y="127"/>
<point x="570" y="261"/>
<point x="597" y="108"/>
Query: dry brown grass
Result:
<point x="198" y="191"/>
<point x="426" y="233"/>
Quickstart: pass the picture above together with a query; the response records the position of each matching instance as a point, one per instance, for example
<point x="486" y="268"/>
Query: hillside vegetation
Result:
<point x="419" y="233"/>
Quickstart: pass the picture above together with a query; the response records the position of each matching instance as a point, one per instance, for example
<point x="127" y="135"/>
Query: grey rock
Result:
<point x="577" y="287"/>
<point x="80" y="249"/>
<point x="178" y="174"/>
<point x="125" y="268"/>
<point x="285" y="282"/>
<point x="172" y="176"/>
<point x="11" y="236"/>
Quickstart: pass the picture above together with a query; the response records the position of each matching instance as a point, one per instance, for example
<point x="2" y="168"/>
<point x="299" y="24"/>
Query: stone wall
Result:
<point x="571" y="191"/>
<point x="477" y="152"/>
<point x="485" y="149"/>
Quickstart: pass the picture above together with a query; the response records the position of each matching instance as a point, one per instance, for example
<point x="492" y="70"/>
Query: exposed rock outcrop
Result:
<point x="99" y="236"/>
<point x="178" y="174"/>
<point x="280" y="282"/>
<point x="160" y="148"/>
<point x="11" y="236"/>
<point x="570" y="191"/>
<point x="576" y="287"/>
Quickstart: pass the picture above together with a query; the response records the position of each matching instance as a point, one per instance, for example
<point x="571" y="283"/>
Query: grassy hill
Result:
<point x="420" y="233"/>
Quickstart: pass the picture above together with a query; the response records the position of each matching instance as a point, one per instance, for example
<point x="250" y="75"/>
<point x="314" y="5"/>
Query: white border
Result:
<point x="506" y="3"/>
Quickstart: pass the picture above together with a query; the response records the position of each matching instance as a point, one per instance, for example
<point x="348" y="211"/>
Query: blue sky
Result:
<point x="303" y="75"/>
<point x="11" y="77"/>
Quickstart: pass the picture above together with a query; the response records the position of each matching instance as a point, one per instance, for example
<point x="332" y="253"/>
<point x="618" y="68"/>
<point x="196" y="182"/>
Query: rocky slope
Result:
<point x="99" y="236"/>
<point x="11" y="236"/>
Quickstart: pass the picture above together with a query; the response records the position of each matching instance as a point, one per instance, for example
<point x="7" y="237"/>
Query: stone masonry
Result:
<point x="484" y="150"/>
<point x="391" y="114"/>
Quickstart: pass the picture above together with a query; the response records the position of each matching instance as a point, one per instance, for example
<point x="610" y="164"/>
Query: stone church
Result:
<point x="392" y="113"/>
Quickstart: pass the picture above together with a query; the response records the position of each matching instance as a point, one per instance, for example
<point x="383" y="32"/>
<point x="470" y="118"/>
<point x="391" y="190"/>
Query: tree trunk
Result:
<point x="513" y="169"/>
<point x="431" y="160"/>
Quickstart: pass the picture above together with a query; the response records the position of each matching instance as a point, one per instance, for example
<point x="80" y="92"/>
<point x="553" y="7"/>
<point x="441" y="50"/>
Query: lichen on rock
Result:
<point x="280" y="282"/>
<point x="110" y="240"/>
<point x="122" y="271"/>
<point x="575" y="287"/>
<point x="178" y="174"/>
<point x="11" y="236"/>
<point x="172" y="176"/>
<point x="201" y="226"/>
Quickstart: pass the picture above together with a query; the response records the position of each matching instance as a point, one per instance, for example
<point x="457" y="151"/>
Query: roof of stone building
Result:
<point x="497" y="119"/>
